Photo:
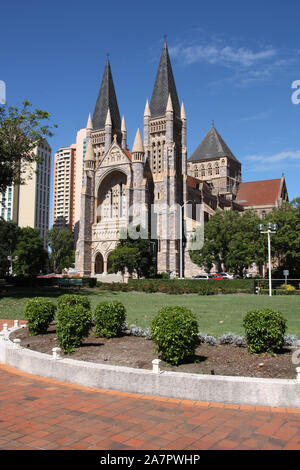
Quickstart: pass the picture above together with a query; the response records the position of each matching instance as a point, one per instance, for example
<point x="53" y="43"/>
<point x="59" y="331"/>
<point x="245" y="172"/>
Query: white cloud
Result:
<point x="285" y="156"/>
<point x="216" y="54"/>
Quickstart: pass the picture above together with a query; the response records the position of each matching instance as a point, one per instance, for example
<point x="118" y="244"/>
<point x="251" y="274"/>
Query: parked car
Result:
<point x="222" y="276"/>
<point x="200" y="276"/>
<point x="227" y="276"/>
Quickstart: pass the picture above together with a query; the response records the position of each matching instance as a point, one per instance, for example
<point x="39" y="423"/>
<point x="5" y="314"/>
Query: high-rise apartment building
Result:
<point x="68" y="175"/>
<point x="28" y="204"/>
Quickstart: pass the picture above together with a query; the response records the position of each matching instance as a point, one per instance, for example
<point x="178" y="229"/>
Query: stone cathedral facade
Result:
<point x="121" y="187"/>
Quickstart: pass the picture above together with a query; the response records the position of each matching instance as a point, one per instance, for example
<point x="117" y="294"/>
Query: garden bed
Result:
<point x="138" y="352"/>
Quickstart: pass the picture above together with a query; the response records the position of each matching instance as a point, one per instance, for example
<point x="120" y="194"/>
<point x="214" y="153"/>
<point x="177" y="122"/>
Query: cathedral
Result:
<point x="121" y="187"/>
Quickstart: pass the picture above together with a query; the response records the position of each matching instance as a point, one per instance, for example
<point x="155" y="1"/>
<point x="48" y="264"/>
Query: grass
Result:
<point x="216" y="314"/>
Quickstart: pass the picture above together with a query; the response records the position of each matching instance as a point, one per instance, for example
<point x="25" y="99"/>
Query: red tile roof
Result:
<point x="128" y="154"/>
<point x="258" y="192"/>
<point x="193" y="182"/>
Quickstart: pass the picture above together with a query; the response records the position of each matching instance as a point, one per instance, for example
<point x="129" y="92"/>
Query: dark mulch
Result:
<point x="132" y="351"/>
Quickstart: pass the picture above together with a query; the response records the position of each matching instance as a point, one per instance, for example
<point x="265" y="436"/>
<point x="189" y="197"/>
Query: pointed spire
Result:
<point x="108" y="118"/>
<point x="89" y="154"/>
<point x="123" y="127"/>
<point x="106" y="99"/>
<point x="212" y="146"/>
<point x="138" y="143"/>
<point x="147" y="110"/>
<point x="164" y="85"/>
<point x="182" y="112"/>
<point x="169" y="108"/>
<point x="89" y="125"/>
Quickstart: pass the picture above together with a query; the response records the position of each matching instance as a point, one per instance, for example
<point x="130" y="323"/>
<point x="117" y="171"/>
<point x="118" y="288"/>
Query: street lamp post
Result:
<point x="181" y="240"/>
<point x="272" y="228"/>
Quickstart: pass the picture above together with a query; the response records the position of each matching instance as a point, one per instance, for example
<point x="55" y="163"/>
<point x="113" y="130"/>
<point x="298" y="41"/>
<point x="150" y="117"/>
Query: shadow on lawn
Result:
<point x="50" y="292"/>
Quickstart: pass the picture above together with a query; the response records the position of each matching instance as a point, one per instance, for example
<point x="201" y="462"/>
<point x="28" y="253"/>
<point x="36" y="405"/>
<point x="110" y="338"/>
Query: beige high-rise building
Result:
<point x="68" y="178"/>
<point x="28" y="204"/>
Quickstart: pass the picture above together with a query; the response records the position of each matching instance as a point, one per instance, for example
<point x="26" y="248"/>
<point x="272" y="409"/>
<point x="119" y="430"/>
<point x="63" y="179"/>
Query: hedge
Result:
<point x="279" y="292"/>
<point x="200" y="286"/>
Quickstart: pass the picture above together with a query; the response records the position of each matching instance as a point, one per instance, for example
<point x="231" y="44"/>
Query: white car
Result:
<point x="200" y="276"/>
<point x="229" y="276"/>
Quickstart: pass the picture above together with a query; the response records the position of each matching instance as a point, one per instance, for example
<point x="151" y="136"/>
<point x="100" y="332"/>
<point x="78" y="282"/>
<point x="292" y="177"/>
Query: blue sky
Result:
<point x="233" y="63"/>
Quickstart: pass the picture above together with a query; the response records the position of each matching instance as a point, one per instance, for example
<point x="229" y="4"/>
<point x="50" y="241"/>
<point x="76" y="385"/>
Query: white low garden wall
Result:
<point x="198" y="387"/>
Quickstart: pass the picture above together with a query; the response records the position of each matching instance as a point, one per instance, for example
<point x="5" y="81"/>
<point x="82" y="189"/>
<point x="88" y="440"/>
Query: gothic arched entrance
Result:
<point x="99" y="264"/>
<point x="112" y="197"/>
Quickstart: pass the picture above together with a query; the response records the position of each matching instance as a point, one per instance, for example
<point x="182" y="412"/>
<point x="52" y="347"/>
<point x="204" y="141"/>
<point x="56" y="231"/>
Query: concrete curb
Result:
<point x="218" y="389"/>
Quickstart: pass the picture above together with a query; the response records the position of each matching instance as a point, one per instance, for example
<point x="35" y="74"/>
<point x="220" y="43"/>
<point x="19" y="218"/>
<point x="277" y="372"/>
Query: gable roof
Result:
<point x="164" y="85"/>
<point x="106" y="100"/>
<point x="127" y="153"/>
<point x="259" y="192"/>
<point x="212" y="146"/>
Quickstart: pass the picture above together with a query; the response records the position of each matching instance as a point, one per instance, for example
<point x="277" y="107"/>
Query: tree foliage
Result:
<point x="20" y="132"/>
<point x="286" y="242"/>
<point x="9" y="233"/>
<point x="30" y="257"/>
<point x="61" y="243"/>
<point x="134" y="255"/>
<point x="231" y="242"/>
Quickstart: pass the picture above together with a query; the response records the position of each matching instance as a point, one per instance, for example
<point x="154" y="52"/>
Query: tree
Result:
<point x="9" y="233"/>
<point x="134" y="255"/>
<point x="285" y="243"/>
<point x="231" y="242"/>
<point x="20" y="132"/>
<point x="61" y="243"/>
<point x="30" y="257"/>
<point x="296" y="205"/>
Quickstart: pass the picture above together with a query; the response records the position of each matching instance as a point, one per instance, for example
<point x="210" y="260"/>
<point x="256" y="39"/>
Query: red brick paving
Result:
<point x="38" y="413"/>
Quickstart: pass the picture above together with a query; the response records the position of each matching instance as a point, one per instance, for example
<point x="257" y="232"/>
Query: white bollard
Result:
<point x="155" y="366"/>
<point x="16" y="323"/>
<point x="4" y="331"/>
<point x="17" y="343"/>
<point x="56" y="353"/>
<point x="298" y="374"/>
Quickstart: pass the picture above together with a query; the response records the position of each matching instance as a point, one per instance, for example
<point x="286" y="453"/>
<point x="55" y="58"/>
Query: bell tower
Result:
<point x="164" y="143"/>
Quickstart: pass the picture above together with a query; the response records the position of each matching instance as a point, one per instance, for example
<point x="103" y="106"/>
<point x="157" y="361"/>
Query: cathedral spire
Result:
<point x="138" y="143"/>
<point x="164" y="85"/>
<point x="106" y="100"/>
<point x="147" y="110"/>
<point x="89" y="125"/>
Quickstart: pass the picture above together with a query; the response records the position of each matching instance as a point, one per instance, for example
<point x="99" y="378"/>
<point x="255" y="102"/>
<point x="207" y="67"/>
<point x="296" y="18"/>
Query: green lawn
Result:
<point x="216" y="314"/>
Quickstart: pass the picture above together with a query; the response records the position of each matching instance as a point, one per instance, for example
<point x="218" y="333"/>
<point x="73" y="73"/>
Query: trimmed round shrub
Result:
<point x="264" y="330"/>
<point x="174" y="331"/>
<point x="73" y="323"/>
<point x="109" y="318"/>
<point x="39" y="313"/>
<point x="74" y="299"/>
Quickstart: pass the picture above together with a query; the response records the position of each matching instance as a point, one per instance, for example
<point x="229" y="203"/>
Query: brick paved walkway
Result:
<point x="39" y="413"/>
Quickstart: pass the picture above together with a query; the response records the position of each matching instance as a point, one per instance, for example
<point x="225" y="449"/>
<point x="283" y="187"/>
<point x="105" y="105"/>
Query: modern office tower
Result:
<point x="63" y="191"/>
<point x="28" y="204"/>
<point x="68" y="180"/>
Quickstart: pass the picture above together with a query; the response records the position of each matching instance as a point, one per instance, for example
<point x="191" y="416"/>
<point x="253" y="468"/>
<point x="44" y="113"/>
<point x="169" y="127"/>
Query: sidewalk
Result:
<point x="38" y="413"/>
